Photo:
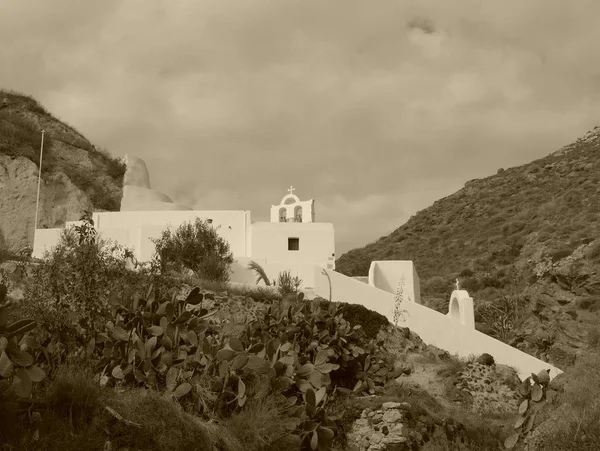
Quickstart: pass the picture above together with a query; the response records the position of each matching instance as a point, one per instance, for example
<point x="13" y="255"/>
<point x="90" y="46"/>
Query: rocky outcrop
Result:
<point x="138" y="195"/>
<point x="60" y="201"/>
<point x="384" y="429"/>
<point x="76" y="176"/>
<point x="490" y="387"/>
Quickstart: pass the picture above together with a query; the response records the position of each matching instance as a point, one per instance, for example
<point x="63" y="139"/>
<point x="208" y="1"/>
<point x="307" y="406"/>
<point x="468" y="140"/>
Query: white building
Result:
<point x="298" y="239"/>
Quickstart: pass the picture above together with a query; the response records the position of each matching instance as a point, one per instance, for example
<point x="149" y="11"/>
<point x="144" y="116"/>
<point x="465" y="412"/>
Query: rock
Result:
<point x="60" y="201"/>
<point x="137" y="173"/>
<point x="137" y="193"/>
<point x="558" y="383"/>
<point x="392" y="416"/>
<point x="485" y="359"/>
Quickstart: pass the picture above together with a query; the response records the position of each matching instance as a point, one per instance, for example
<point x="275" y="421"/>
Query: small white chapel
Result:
<point x="291" y="237"/>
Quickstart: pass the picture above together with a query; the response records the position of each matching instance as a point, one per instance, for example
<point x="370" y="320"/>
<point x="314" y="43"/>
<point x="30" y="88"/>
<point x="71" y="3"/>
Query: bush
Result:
<point x="197" y="247"/>
<point x="467" y="272"/>
<point x="286" y="284"/>
<point x="437" y="285"/>
<point x="75" y="280"/>
<point x="581" y="429"/>
<point x="358" y="315"/>
<point x="591" y="303"/>
<point x="23" y="136"/>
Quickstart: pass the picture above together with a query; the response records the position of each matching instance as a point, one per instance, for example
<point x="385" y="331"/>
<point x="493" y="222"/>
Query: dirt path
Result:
<point x="425" y="375"/>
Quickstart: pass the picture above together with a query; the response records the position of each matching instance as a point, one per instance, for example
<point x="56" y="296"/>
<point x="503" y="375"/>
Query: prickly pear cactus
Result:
<point x="533" y="391"/>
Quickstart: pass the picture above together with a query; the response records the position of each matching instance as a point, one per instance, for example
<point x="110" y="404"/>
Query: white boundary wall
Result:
<point x="387" y="275"/>
<point x="444" y="331"/>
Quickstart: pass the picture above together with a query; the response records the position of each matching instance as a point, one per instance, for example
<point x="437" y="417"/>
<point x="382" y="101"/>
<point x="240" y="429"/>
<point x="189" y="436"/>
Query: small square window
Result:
<point x="209" y="221"/>
<point x="293" y="244"/>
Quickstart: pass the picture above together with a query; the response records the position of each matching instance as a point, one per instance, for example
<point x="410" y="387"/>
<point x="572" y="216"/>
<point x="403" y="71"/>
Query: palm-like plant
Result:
<point x="260" y="272"/>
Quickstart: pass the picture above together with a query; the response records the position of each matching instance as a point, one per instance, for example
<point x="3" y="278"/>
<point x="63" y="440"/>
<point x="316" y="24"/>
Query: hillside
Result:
<point x="76" y="176"/>
<point x="530" y="231"/>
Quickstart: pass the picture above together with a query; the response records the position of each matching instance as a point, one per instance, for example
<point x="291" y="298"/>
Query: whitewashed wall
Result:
<point x="433" y="327"/>
<point x="386" y="275"/>
<point x="317" y="243"/>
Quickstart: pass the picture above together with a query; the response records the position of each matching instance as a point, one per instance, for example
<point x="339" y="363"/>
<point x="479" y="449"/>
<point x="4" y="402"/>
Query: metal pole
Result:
<point x="37" y="202"/>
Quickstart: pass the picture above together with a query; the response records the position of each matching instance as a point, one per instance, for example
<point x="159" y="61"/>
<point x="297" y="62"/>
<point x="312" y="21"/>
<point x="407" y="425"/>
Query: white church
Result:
<point x="291" y="237"/>
<point x="294" y="241"/>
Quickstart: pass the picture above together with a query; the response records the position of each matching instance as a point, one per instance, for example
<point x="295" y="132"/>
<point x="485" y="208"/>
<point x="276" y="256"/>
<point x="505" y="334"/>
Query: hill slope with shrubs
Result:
<point x="524" y="242"/>
<point x="76" y="176"/>
<point x="101" y="352"/>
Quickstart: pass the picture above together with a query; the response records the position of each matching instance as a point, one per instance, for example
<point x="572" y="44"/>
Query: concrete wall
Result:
<point x="317" y="243"/>
<point x="239" y="273"/>
<point x="386" y="275"/>
<point x="461" y="308"/>
<point x="433" y="327"/>
<point x="347" y="289"/>
<point x="44" y="240"/>
<point x="146" y="225"/>
<point x="135" y="229"/>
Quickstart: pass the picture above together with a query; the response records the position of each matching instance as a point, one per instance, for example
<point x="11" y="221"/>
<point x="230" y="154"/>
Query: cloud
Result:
<point x="374" y="110"/>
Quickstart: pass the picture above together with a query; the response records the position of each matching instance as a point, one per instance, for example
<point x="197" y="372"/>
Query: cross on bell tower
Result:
<point x="292" y="209"/>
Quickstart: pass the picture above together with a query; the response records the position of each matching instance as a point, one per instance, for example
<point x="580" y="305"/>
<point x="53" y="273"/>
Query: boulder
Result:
<point x="485" y="359"/>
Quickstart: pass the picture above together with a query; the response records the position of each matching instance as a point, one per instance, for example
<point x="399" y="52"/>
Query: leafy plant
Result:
<point x="15" y="362"/>
<point x="533" y="399"/>
<point x="399" y="312"/>
<point x="260" y="272"/>
<point x="74" y="281"/>
<point x="286" y="284"/>
<point x="501" y="315"/>
<point x="195" y="246"/>
<point x="304" y="352"/>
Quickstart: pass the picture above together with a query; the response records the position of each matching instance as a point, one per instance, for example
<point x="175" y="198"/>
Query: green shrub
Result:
<point x="358" y="315"/>
<point x="23" y="137"/>
<point x="581" y="429"/>
<point x="437" y="285"/>
<point x="197" y="247"/>
<point x="591" y="303"/>
<point x="467" y="272"/>
<point x="286" y="284"/>
<point x="75" y="280"/>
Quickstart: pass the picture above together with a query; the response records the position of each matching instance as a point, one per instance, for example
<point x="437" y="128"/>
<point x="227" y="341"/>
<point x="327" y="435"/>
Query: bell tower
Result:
<point x="292" y="209"/>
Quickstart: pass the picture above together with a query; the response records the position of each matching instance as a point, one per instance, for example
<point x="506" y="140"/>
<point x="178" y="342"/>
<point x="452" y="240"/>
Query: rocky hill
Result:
<point x="530" y="232"/>
<point x="76" y="176"/>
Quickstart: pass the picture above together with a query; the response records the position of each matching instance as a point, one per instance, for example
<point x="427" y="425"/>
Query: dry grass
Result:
<point x="579" y="425"/>
<point x="70" y="414"/>
<point x="259" y="426"/>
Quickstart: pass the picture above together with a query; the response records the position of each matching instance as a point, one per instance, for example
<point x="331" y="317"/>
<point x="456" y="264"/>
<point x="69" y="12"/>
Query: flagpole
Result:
<point x="37" y="202"/>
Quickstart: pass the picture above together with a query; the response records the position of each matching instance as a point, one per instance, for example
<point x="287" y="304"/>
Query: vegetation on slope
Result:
<point x="526" y="237"/>
<point x="95" y="172"/>
<point x="490" y="225"/>
<point x="118" y="358"/>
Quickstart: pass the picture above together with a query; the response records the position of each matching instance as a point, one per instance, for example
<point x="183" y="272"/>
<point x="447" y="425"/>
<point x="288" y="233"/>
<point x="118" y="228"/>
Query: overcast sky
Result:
<point x="373" y="108"/>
